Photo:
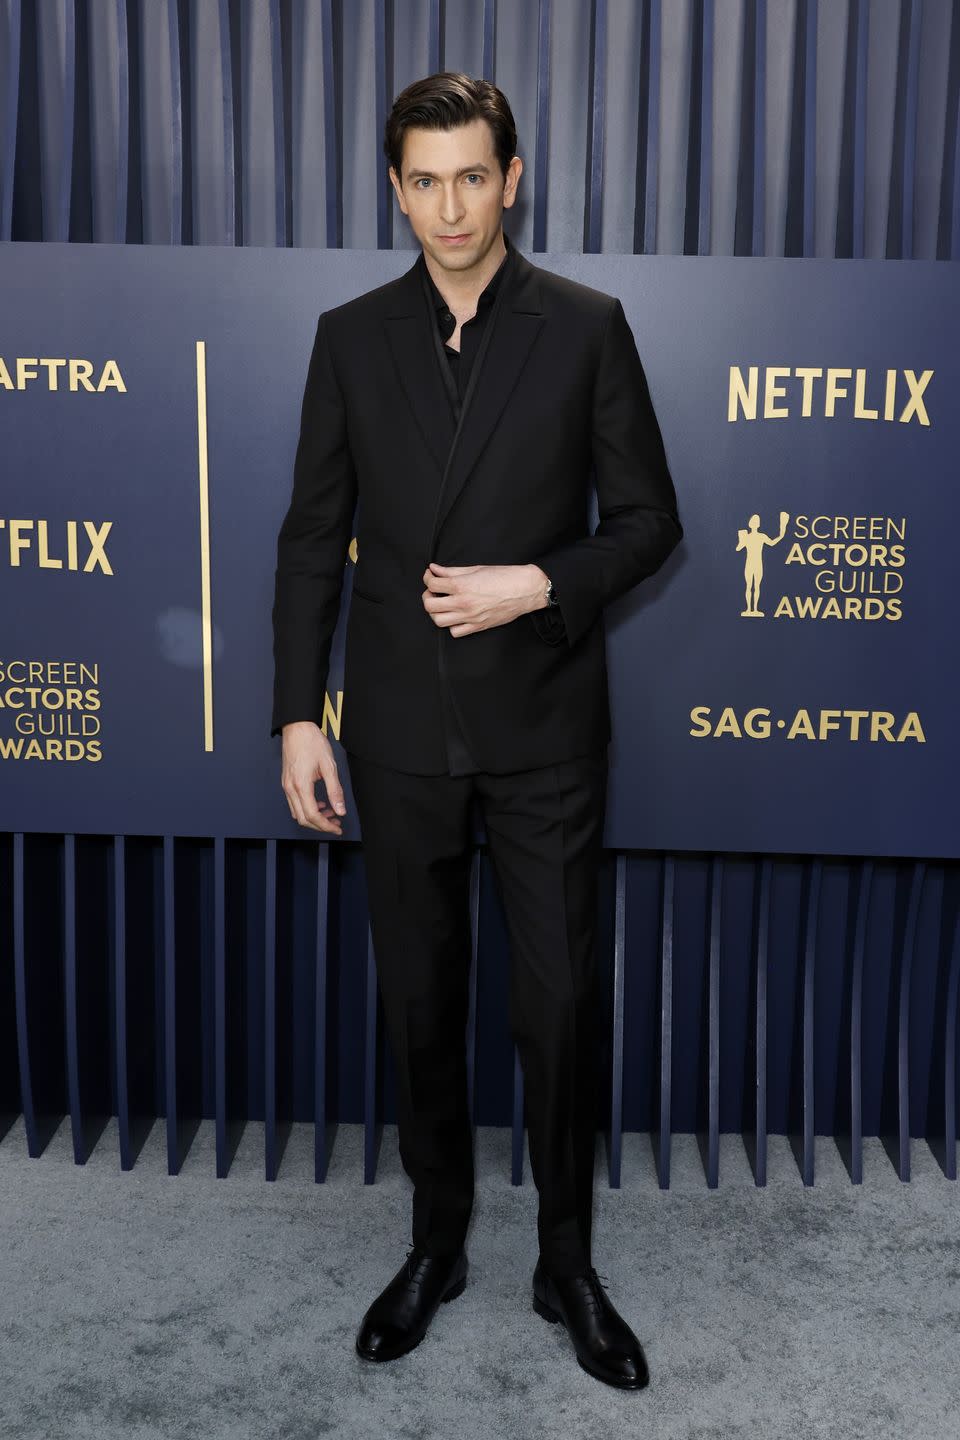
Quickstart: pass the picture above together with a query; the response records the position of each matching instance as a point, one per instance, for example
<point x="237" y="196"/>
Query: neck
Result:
<point x="462" y="288"/>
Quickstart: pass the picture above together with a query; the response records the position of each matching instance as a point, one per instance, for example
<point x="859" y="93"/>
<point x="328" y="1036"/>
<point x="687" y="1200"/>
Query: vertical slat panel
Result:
<point x="12" y="92"/>
<point x="864" y="889"/>
<point x="270" y="1122"/>
<point x="860" y="130"/>
<point x="661" y="1137"/>
<point x="70" y="995"/>
<point x="540" y="173"/>
<point x="803" y="1143"/>
<point x="516" y="1152"/>
<point x="280" y="49"/>
<point x="758" y="245"/>
<point x="954" y="249"/>
<point x="170" y="1005"/>
<point x="809" y="127"/>
<point x="898" y="1143"/>
<point x="372" y="1120"/>
<point x="757" y="1143"/>
<point x="35" y="1142"/>
<point x="712" y="1156"/>
<point x="615" y="1155"/>
<point x="122" y="188"/>
<point x="232" y="103"/>
<point x="39" y="997"/>
<point x="121" y="1048"/>
<point x="910" y="104"/>
<point x="331" y="126"/>
<point x="648" y="146"/>
<point x="488" y="64"/>
<point x="323" y="1114"/>
<point x="176" y="127"/>
<point x="220" y="1039"/>
<point x="951" y="1025"/>
<point x="435" y="37"/>
<point x="383" y="47"/>
<point x="596" y="102"/>
<point x="704" y="205"/>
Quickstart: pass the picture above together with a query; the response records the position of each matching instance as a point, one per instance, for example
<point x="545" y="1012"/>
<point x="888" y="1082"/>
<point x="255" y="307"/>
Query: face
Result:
<point x="453" y="187"/>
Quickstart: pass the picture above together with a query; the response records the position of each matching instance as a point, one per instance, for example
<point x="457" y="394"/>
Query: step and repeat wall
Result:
<point x="786" y="683"/>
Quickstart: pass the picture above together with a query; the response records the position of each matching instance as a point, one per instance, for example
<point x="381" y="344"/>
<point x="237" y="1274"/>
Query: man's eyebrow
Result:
<point x="464" y="170"/>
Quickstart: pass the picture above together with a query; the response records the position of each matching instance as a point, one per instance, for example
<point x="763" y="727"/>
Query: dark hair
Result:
<point x="444" y="101"/>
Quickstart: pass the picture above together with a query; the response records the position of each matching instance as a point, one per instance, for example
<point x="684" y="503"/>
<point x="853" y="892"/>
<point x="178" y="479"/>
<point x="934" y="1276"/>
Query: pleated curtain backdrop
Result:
<point x="763" y="127"/>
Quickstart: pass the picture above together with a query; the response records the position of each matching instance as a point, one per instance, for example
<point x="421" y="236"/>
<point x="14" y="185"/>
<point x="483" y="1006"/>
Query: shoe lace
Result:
<point x="594" y="1283"/>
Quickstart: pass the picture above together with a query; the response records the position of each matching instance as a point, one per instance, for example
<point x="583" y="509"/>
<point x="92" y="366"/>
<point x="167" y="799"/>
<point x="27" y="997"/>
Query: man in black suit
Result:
<point x="462" y="407"/>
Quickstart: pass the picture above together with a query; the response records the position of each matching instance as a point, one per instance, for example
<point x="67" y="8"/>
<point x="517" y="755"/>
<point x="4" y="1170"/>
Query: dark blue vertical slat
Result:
<point x="597" y="100"/>
<point x="170" y="1006"/>
<point x="34" y="1140"/>
<point x="955" y="208"/>
<point x="270" y="1138"/>
<point x="323" y="1129"/>
<point x="70" y="995"/>
<point x="61" y="226"/>
<point x="704" y="198"/>
<point x="372" y="1122"/>
<point x="516" y="1152"/>
<point x="120" y="1002"/>
<point x="951" y="1024"/>
<point x="435" y="37"/>
<point x="712" y="1166"/>
<point x="331" y="127"/>
<point x="855" y="1163"/>
<point x="220" y="1047"/>
<point x="232" y="209"/>
<point x="860" y="132"/>
<point x="472" y="981"/>
<point x="176" y="127"/>
<point x="898" y="1145"/>
<point x="810" y="128"/>
<point x="804" y="1143"/>
<point x="911" y="101"/>
<point x="662" y="1135"/>
<point x="652" y="161"/>
<point x="488" y="63"/>
<point x="542" y="127"/>
<point x="615" y="1157"/>
<point x="759" y="1139"/>
<point x="121" y="198"/>
<point x="278" y="92"/>
<point x="383" y="53"/>
<point x="11" y="90"/>
<point x="759" y="243"/>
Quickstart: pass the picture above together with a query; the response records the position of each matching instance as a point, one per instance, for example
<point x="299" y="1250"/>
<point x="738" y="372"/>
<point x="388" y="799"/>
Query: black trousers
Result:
<point x="544" y="828"/>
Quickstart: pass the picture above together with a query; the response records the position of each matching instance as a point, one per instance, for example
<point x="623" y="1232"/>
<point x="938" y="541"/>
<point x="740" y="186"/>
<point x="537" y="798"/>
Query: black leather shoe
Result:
<point x="398" y="1318"/>
<point x="606" y="1346"/>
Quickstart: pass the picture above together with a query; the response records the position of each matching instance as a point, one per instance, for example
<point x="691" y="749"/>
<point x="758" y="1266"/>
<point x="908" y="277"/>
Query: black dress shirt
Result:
<point x="548" y="621"/>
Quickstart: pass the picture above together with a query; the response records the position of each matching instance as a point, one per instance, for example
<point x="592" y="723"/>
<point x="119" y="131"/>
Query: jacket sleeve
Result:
<point x="312" y="546"/>
<point x="639" y="524"/>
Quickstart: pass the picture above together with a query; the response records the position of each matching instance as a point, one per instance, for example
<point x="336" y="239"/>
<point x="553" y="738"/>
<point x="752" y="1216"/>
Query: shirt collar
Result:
<point x="489" y="291"/>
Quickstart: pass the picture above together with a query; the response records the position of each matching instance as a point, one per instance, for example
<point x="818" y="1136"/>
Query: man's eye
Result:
<point x="474" y="177"/>
<point x="423" y="180"/>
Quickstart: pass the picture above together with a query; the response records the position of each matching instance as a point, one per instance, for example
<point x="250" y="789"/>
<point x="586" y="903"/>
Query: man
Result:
<point x="462" y="406"/>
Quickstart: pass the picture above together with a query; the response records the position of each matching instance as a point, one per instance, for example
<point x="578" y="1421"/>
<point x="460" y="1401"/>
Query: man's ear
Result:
<point x="398" y="188"/>
<point x="511" y="181"/>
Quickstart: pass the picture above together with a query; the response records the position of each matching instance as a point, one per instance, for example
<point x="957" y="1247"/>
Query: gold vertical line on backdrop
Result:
<point x="203" y="476"/>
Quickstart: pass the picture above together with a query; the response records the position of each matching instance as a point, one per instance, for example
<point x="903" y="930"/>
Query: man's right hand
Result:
<point x="307" y="758"/>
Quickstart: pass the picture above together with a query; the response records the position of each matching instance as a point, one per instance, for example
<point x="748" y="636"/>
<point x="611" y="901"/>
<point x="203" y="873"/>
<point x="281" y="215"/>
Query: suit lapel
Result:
<point x="516" y="328"/>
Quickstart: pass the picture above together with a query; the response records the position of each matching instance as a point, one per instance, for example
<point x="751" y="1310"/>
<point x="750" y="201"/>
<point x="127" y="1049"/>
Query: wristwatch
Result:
<point x="551" y="594"/>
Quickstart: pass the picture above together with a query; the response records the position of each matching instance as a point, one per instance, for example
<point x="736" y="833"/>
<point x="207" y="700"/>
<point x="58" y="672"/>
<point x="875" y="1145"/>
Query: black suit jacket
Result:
<point x="559" y="392"/>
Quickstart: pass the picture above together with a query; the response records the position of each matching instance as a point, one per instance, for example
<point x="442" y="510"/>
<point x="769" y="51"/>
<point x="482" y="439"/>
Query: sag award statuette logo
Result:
<point x="753" y="540"/>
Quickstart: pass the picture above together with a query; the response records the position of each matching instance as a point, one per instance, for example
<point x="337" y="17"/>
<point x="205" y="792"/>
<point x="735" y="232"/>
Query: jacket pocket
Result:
<point x="365" y="595"/>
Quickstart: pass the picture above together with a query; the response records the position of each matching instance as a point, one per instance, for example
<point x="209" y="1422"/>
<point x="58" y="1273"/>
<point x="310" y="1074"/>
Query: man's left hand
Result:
<point x="465" y="598"/>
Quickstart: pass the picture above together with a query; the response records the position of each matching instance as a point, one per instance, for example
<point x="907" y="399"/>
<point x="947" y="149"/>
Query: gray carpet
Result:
<point x="143" y="1305"/>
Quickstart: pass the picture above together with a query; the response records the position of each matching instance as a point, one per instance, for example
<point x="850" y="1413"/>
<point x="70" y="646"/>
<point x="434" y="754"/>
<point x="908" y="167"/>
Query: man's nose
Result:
<point x="451" y="208"/>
